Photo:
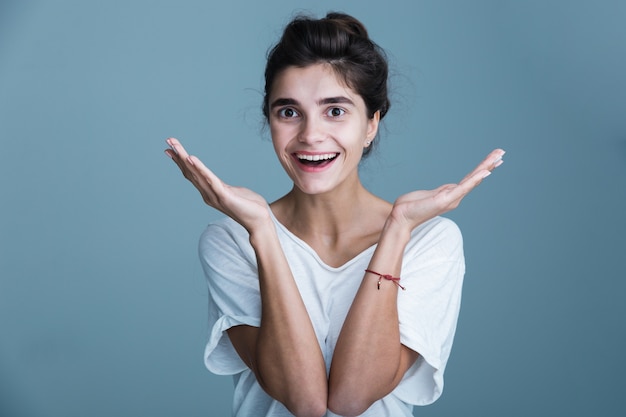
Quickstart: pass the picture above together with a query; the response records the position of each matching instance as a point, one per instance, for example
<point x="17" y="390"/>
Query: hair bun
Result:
<point x="348" y="23"/>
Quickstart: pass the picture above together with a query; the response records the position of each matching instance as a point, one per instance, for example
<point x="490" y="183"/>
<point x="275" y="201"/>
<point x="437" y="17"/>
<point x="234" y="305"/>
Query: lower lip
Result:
<point x="314" y="168"/>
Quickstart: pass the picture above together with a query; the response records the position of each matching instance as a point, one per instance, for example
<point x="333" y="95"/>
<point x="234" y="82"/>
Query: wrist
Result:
<point x="393" y="240"/>
<point x="262" y="234"/>
<point x="398" y="231"/>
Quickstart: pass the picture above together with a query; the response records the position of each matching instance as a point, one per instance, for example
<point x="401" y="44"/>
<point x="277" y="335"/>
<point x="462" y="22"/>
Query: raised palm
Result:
<point x="418" y="206"/>
<point x="241" y="204"/>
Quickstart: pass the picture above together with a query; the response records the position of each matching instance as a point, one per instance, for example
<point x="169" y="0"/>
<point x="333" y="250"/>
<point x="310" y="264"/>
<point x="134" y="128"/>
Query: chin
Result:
<point x="313" y="189"/>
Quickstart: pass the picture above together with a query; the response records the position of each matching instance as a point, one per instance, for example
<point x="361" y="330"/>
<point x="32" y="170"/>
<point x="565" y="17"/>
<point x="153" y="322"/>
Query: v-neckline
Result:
<point x="313" y="252"/>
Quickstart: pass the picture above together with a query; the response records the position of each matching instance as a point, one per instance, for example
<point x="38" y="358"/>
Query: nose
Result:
<point x="312" y="131"/>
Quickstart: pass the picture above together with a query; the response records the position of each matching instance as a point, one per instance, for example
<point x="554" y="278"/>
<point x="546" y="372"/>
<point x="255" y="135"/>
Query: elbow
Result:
<point x="301" y="398"/>
<point x="348" y="406"/>
<point x="308" y="408"/>
<point x="310" y="402"/>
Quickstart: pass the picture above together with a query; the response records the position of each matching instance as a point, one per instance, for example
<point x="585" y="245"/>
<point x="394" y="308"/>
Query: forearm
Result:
<point x="370" y="334"/>
<point x="287" y="358"/>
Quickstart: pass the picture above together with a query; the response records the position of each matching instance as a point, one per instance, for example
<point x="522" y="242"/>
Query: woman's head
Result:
<point x="342" y="42"/>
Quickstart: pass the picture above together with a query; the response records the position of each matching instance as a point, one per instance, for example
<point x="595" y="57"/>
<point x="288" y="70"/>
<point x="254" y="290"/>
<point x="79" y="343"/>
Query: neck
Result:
<point x="331" y="214"/>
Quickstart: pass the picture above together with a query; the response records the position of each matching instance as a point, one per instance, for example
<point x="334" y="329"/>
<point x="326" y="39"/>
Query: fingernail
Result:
<point x="486" y="174"/>
<point x="498" y="163"/>
<point x="168" y="154"/>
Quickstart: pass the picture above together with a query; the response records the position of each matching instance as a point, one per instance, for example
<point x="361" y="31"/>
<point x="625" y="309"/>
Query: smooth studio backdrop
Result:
<point x="102" y="299"/>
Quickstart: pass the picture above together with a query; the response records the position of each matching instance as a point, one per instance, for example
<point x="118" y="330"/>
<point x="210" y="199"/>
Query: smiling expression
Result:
<point x="319" y="128"/>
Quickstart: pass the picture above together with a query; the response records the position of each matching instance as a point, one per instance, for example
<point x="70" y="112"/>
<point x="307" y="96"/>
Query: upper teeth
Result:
<point x="317" y="157"/>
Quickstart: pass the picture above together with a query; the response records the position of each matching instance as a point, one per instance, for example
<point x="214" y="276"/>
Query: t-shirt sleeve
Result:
<point x="229" y="265"/>
<point x="432" y="272"/>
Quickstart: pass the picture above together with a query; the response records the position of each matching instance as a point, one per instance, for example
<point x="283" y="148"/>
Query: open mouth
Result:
<point x="316" y="160"/>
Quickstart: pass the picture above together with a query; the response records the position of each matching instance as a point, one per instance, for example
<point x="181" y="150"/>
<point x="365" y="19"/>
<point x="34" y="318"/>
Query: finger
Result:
<point x="174" y="152"/>
<point x="471" y="181"/>
<point x="180" y="156"/>
<point x="491" y="162"/>
<point x="495" y="157"/>
<point x="177" y="148"/>
<point x="183" y="165"/>
<point x="204" y="172"/>
<point x="214" y="191"/>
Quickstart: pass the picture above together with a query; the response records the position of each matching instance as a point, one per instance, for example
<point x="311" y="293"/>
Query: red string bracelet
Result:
<point x="387" y="277"/>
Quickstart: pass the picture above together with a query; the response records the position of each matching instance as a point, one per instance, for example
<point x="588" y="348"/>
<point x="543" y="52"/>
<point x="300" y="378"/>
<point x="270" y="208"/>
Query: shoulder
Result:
<point x="441" y="226"/>
<point x="222" y="227"/>
<point x="224" y="235"/>
<point x="439" y="238"/>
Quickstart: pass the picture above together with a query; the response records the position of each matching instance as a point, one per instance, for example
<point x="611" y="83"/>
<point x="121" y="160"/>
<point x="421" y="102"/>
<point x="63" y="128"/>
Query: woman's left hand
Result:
<point x="416" y="207"/>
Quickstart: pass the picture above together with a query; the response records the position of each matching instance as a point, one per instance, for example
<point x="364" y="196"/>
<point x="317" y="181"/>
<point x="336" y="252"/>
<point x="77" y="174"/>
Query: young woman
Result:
<point x="330" y="300"/>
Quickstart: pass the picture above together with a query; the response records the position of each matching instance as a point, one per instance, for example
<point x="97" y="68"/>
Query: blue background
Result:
<point x="102" y="300"/>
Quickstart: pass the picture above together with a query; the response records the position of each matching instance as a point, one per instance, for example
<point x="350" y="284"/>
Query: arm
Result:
<point x="370" y="334"/>
<point x="283" y="352"/>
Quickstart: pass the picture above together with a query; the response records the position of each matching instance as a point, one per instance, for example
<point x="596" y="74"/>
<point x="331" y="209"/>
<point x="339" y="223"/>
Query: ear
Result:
<point x="372" y="128"/>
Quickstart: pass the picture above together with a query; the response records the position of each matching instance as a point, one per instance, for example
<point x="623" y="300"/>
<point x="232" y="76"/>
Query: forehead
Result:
<point x="313" y="82"/>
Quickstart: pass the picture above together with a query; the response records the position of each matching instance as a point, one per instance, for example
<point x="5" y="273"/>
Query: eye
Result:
<point x="335" y="112"/>
<point x="287" y="113"/>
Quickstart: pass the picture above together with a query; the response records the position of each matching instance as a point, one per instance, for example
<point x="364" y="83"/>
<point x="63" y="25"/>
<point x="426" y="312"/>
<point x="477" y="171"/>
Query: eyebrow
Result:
<point x="329" y="100"/>
<point x="336" y="100"/>
<point x="284" y="102"/>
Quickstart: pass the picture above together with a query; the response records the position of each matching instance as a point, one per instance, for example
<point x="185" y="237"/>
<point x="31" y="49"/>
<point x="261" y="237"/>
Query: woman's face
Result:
<point x="319" y="128"/>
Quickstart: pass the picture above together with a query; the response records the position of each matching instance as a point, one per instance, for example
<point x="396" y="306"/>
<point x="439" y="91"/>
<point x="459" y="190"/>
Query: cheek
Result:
<point x="276" y="137"/>
<point x="281" y="136"/>
<point x="279" y="143"/>
<point x="273" y="132"/>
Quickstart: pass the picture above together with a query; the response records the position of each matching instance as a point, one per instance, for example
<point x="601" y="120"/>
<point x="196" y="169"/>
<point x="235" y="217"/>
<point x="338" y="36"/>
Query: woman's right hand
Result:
<point x="241" y="204"/>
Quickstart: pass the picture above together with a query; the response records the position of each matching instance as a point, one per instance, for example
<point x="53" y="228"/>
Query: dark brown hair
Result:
<point x="341" y="41"/>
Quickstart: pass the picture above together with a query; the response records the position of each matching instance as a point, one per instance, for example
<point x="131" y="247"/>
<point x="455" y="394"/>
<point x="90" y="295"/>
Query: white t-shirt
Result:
<point x="432" y="272"/>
